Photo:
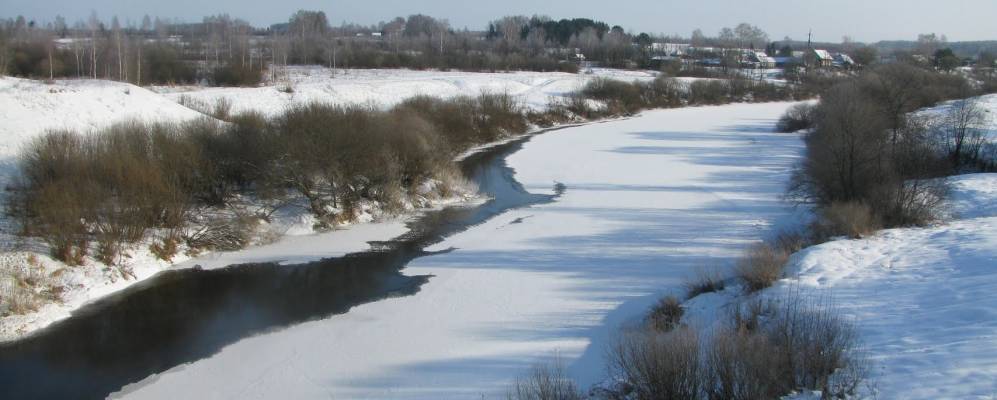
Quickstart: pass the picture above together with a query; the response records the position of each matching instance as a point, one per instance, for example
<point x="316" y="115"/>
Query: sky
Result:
<point x="862" y="20"/>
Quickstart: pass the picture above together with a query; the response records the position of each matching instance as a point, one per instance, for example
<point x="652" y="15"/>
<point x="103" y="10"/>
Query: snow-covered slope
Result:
<point x="924" y="300"/>
<point x="648" y="200"/>
<point x="29" y="107"/>
<point x="988" y="126"/>
<point x="385" y="88"/>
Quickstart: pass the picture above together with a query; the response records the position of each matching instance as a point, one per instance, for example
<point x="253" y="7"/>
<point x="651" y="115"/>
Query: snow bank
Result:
<point x="385" y="88"/>
<point x="648" y="200"/>
<point x="77" y="285"/>
<point x="924" y="300"/>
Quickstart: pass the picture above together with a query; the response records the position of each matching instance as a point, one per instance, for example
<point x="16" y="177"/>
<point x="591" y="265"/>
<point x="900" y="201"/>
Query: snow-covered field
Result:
<point x="384" y="88"/>
<point x="648" y="200"/>
<point x="29" y="107"/>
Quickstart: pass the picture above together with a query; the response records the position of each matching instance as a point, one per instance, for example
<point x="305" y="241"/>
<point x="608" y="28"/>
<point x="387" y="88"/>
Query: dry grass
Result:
<point x="706" y="280"/>
<point x="852" y="219"/>
<point x="24" y="286"/>
<point x="666" y="314"/>
<point x="655" y="365"/>
<point x="761" y="266"/>
<point x="545" y="381"/>
<point x="765" y="349"/>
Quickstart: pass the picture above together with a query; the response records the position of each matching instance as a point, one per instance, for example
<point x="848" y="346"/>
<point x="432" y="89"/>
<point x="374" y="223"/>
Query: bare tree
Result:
<point x="93" y="24"/>
<point x="928" y="43"/>
<point x="962" y="133"/>
<point x="750" y="36"/>
<point x="698" y="38"/>
<point x="116" y="29"/>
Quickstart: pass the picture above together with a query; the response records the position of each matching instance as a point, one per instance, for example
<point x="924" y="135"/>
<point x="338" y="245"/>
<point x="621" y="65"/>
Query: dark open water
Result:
<point x="181" y="316"/>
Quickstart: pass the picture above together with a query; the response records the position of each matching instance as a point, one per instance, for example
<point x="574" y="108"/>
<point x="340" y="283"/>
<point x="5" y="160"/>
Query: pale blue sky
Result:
<point x="863" y="20"/>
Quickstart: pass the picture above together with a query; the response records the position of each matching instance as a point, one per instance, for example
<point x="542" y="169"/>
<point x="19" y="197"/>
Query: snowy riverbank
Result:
<point x="30" y="108"/>
<point x="648" y="200"/>
<point x="924" y="299"/>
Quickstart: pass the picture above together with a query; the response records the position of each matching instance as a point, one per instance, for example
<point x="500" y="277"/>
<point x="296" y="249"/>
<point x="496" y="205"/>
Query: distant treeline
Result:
<point x="221" y="50"/>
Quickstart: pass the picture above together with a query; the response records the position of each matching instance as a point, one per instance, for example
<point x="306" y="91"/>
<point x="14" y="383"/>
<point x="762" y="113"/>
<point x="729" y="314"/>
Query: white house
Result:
<point x="670" y="49"/>
<point x="759" y="59"/>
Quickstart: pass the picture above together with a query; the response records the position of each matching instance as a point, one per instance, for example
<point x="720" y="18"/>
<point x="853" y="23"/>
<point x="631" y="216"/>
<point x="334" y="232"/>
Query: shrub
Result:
<point x="654" y="365"/>
<point x="620" y="97"/>
<point x="766" y="349"/>
<point x="115" y="185"/>
<point x="545" y="382"/>
<point x="666" y="314"/>
<point x="236" y="74"/>
<point x="553" y="114"/>
<point x="222" y="109"/>
<point x="798" y="117"/>
<point x="501" y="115"/>
<point x="466" y="121"/>
<point x="162" y="64"/>
<point x="761" y="266"/>
<point x="662" y="92"/>
<point x="743" y="365"/>
<point x="794" y="342"/>
<point x="815" y="343"/>
<point x="109" y="187"/>
<point x="580" y="106"/>
<point x="708" y="92"/>
<point x="852" y="219"/>
<point x="705" y="281"/>
<point x="671" y="68"/>
<point x="791" y="241"/>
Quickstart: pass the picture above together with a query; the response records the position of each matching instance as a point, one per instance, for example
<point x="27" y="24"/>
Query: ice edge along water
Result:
<point x="648" y="200"/>
<point x="28" y="108"/>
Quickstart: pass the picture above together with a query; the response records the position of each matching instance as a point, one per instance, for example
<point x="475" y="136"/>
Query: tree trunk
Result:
<point x="120" y="72"/>
<point x="139" y="70"/>
<point x="93" y="55"/>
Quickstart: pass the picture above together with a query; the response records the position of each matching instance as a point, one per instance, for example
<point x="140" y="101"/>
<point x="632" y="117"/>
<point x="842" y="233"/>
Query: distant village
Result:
<point x="226" y="51"/>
